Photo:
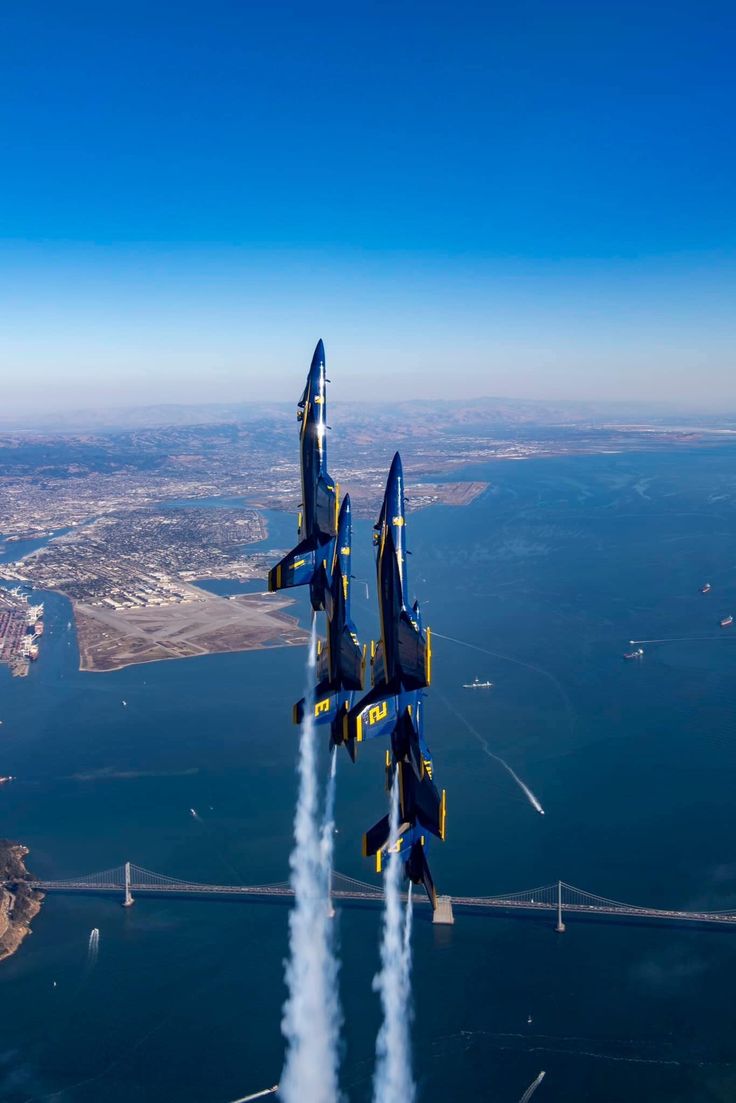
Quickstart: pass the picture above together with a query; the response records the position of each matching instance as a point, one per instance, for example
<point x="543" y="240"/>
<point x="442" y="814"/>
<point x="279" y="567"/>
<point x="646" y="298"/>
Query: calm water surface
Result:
<point x="553" y="570"/>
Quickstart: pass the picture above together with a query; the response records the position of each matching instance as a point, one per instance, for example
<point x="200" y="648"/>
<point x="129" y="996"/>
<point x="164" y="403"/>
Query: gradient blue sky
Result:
<point x="534" y="199"/>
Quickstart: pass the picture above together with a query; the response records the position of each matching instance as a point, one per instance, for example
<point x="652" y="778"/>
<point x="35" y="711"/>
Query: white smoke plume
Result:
<point x="393" y="1081"/>
<point x="327" y="840"/>
<point x="311" y="1018"/>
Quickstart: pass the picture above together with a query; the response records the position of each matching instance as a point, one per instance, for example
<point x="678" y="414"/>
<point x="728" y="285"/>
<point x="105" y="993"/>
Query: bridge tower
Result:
<point x="560" y="926"/>
<point x="128" y="899"/>
<point x="443" y="912"/>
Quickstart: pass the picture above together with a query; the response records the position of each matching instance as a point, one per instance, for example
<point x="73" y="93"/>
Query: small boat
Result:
<point x="477" y="684"/>
<point x="529" y="1019"/>
<point x="637" y="654"/>
<point x="705" y="589"/>
<point x="726" y="621"/>
<point x="125" y="704"/>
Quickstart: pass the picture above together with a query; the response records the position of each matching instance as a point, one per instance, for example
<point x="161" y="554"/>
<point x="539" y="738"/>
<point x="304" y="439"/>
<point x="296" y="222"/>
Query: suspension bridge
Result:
<point x="129" y="881"/>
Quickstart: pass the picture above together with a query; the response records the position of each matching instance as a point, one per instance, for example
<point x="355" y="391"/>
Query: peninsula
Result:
<point x="18" y="901"/>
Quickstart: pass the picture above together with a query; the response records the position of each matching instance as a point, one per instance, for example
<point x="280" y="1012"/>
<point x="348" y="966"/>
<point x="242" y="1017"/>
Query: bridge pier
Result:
<point x="128" y="899"/>
<point x="559" y="926"/>
<point x="443" y="912"/>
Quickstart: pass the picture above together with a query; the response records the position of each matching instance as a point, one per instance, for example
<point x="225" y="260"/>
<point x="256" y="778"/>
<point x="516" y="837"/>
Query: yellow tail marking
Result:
<point x="379" y="861"/>
<point x="377" y="712"/>
<point x="443" y="815"/>
<point x="429" y="655"/>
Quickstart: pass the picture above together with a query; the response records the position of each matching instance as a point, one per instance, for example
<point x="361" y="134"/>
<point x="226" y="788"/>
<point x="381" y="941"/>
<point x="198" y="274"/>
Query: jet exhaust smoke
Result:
<point x="311" y="1017"/>
<point x="327" y="838"/>
<point x="393" y="1081"/>
<point x="536" y="805"/>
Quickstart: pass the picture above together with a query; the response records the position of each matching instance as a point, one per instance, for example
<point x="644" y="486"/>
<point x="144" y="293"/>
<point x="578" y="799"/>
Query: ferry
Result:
<point x="477" y="684"/>
<point x="705" y="589"/>
<point x="637" y="654"/>
<point x="726" y="621"/>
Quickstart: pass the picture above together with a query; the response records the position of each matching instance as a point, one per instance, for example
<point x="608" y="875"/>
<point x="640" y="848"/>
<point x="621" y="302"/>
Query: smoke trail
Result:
<point x="93" y="947"/>
<point x="327" y="837"/>
<point x="393" y="1081"/>
<point x="536" y="805"/>
<point x="311" y="1017"/>
<point x="532" y="1088"/>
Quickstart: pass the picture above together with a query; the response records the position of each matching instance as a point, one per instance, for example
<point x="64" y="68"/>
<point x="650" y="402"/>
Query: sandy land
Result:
<point x="18" y="902"/>
<point x="204" y="625"/>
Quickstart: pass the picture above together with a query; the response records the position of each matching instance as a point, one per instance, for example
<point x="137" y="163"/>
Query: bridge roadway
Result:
<point x="131" y="881"/>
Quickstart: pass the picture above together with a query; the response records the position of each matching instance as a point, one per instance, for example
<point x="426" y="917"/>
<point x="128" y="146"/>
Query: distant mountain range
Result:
<point x="494" y="413"/>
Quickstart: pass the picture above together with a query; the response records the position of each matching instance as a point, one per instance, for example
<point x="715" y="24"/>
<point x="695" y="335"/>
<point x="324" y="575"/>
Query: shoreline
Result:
<point x="19" y="903"/>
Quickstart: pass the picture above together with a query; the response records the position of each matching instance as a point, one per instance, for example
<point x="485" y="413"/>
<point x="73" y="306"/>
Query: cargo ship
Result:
<point x="726" y="621"/>
<point x="477" y="684"/>
<point x="705" y="589"/>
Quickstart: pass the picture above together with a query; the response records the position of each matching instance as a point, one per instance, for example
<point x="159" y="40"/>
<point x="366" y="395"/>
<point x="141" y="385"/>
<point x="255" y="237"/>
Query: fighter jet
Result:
<point x="341" y="659"/>
<point x="308" y="564"/>
<point x="400" y="669"/>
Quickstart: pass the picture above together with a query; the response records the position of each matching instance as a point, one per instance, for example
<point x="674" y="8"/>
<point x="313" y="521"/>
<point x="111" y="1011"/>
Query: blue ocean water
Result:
<point x="553" y="570"/>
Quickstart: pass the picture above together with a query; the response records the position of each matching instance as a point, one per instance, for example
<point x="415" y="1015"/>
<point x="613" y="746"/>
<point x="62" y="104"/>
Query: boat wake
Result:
<point x="533" y="800"/>
<point x="532" y="1088"/>
<point x="93" y="946"/>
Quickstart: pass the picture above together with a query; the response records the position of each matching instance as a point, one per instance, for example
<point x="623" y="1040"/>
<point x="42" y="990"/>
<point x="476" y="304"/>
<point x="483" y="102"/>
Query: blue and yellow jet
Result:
<point x="400" y="670"/>
<point x="309" y="562"/>
<point x="341" y="659"/>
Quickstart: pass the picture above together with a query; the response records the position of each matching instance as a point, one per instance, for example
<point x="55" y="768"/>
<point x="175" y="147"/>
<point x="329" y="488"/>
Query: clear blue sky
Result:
<point x="533" y="199"/>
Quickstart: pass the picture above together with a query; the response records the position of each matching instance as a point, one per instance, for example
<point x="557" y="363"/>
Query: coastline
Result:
<point x="19" y="903"/>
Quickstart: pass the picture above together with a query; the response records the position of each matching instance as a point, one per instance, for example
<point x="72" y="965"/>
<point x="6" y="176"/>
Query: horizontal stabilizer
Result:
<point x="376" y="837"/>
<point x="295" y="569"/>
<point x="329" y="708"/>
<point x="374" y="715"/>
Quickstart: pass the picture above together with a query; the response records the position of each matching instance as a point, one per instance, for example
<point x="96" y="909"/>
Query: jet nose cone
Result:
<point x="396" y="471"/>
<point x="345" y="507"/>
<point x="319" y="356"/>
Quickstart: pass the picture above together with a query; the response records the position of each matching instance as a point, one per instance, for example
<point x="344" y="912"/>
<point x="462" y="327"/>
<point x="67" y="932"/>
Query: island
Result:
<point x="19" y="902"/>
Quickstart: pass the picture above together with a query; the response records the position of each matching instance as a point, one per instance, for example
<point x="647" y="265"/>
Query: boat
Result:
<point x="705" y="589"/>
<point x="477" y="684"/>
<point x="5" y="780"/>
<point x="637" y="654"/>
<point x="726" y="621"/>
